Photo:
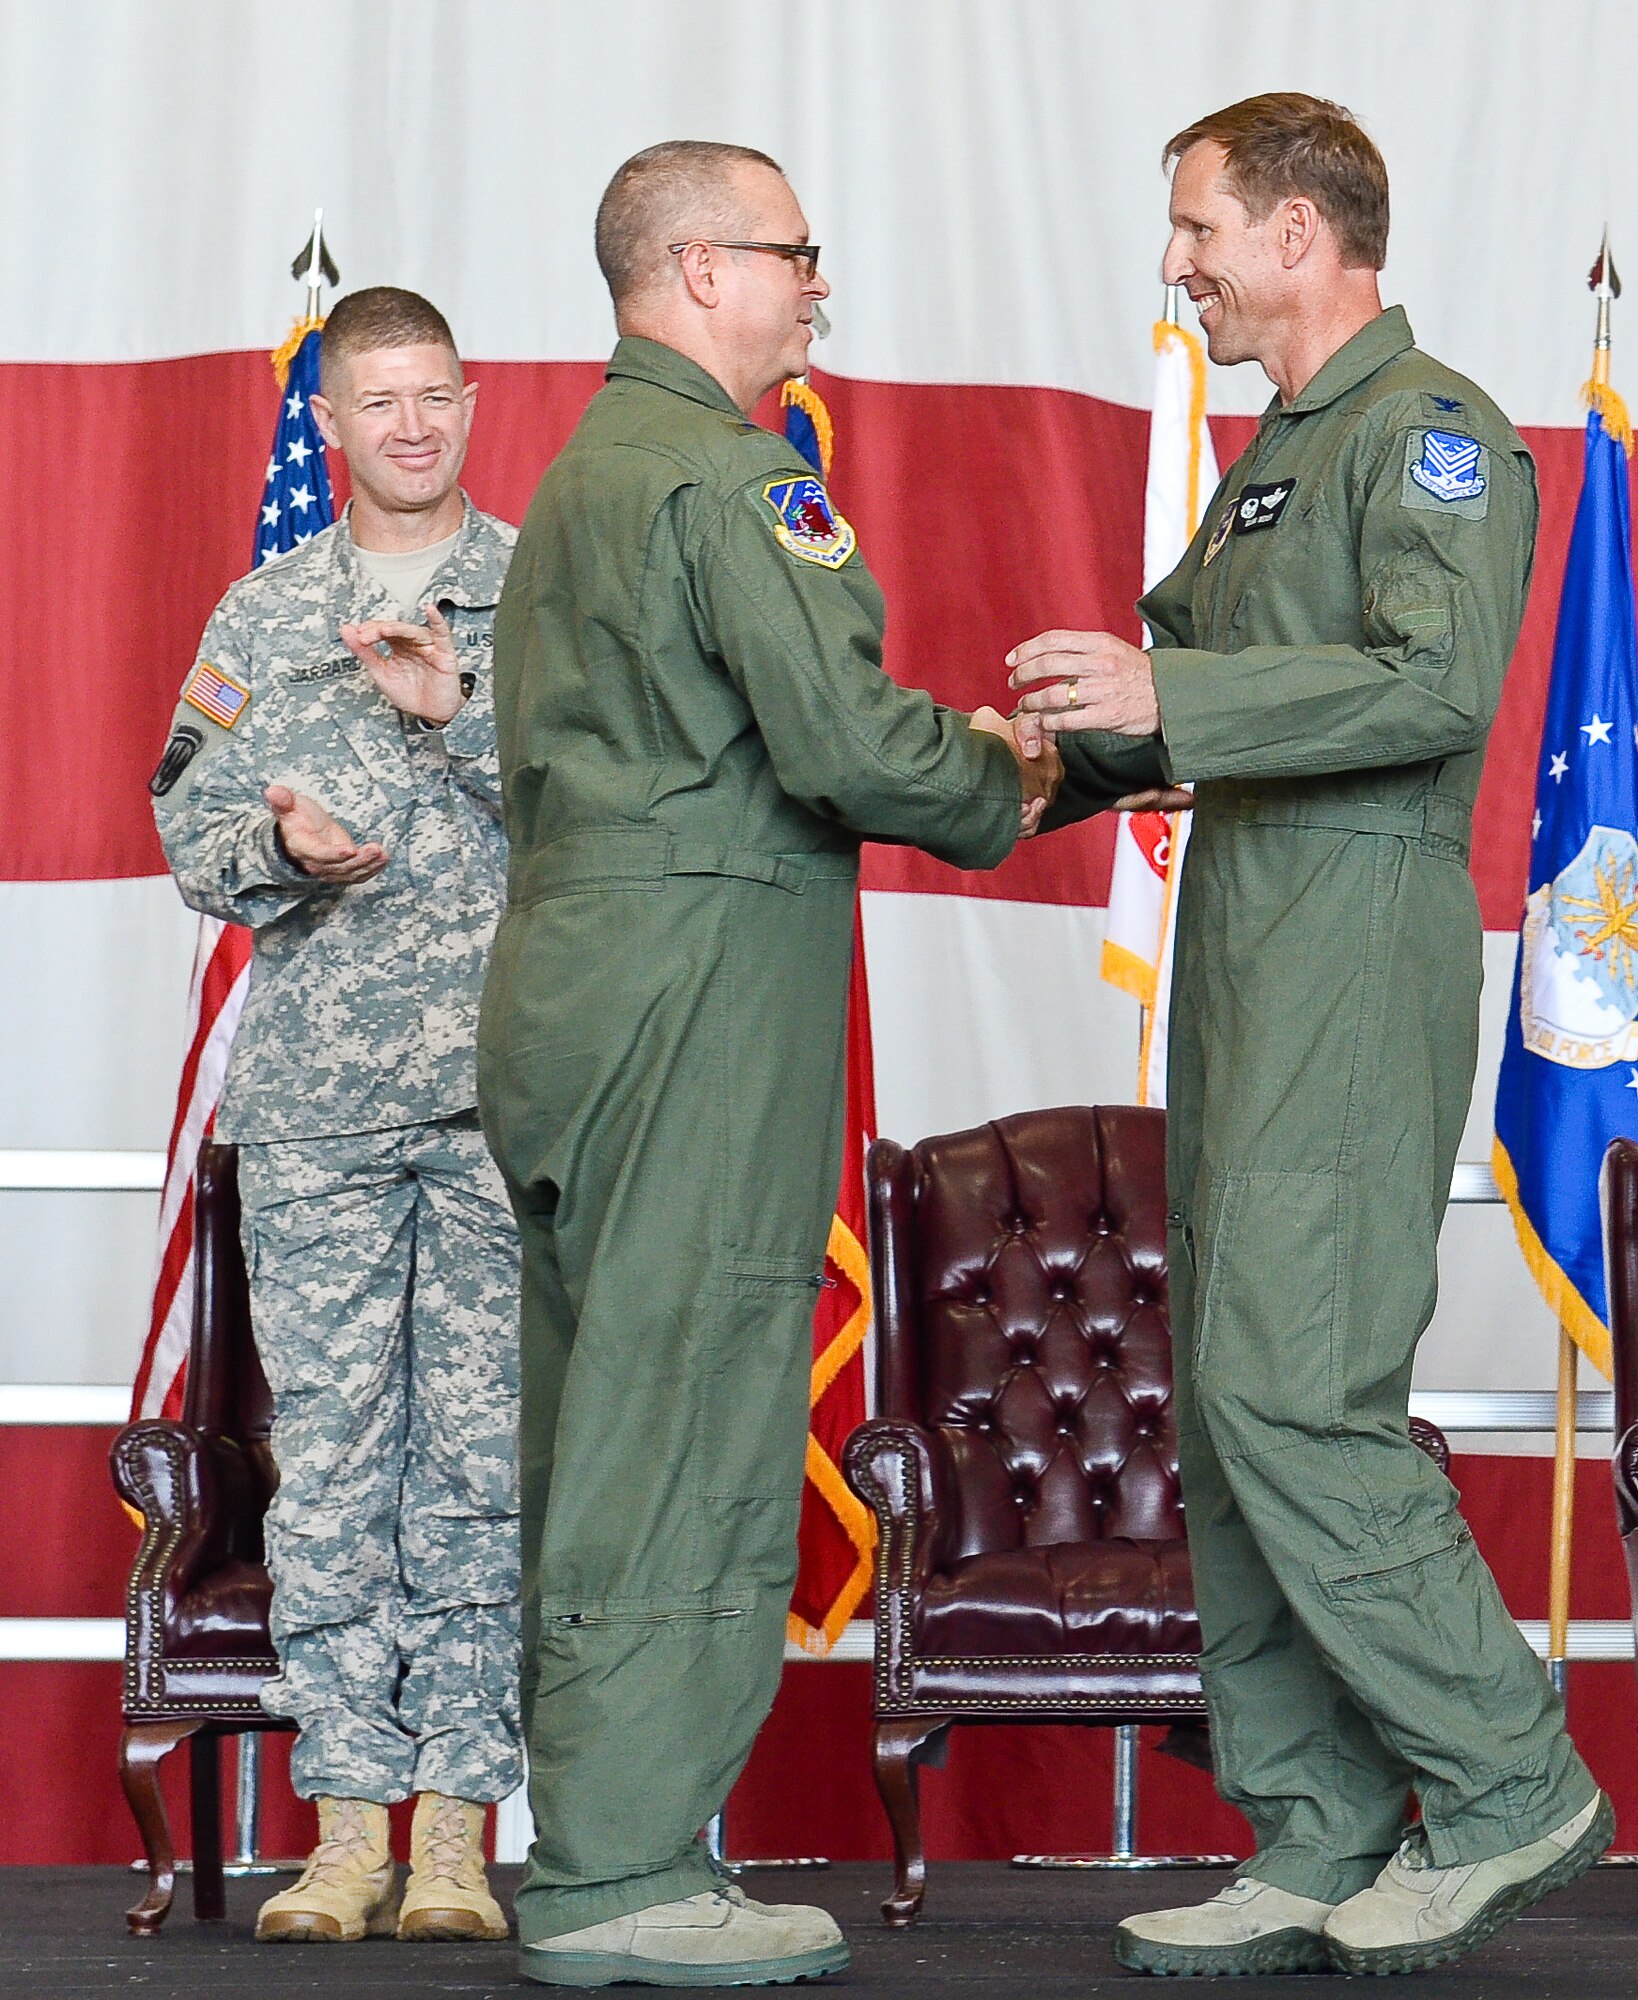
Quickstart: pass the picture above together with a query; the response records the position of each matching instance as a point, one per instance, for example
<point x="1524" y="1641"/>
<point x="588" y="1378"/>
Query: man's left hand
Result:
<point x="1086" y="680"/>
<point x="419" y="672"/>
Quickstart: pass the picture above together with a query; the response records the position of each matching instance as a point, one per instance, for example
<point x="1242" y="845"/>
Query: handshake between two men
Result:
<point x="1075" y="681"/>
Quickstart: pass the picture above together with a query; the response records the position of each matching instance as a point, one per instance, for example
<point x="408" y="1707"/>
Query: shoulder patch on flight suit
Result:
<point x="807" y="525"/>
<point x="217" y="696"/>
<point x="1219" y="535"/>
<point x="1445" y="473"/>
<point x="185" y="744"/>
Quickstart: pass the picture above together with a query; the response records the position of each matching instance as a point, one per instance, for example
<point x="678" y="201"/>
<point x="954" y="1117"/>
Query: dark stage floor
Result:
<point x="989" y="1930"/>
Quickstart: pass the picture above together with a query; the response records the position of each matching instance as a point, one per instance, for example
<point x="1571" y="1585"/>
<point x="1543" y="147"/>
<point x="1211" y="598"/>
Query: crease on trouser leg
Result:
<point x="1291" y="1749"/>
<point x="1359" y="1528"/>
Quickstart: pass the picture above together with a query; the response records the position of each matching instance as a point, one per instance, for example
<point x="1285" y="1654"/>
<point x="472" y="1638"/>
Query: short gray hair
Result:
<point x="676" y="189"/>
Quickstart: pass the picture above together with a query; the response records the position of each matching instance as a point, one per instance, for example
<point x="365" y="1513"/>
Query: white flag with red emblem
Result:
<point x="1137" y="946"/>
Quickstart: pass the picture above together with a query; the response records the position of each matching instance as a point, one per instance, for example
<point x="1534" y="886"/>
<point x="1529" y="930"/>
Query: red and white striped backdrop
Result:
<point x="984" y="177"/>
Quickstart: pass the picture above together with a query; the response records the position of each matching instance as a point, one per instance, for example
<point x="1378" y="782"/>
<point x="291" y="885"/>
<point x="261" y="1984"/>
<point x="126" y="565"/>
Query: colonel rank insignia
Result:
<point x="807" y="524"/>
<point x="216" y="695"/>
<point x="1445" y="473"/>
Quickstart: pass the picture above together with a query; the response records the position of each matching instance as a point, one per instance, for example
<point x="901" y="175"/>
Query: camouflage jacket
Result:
<point x="363" y="1001"/>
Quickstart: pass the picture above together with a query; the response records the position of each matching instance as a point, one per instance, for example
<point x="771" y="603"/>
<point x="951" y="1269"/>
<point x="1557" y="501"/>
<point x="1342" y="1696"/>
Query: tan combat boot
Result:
<point x="448" y="1893"/>
<point x="1249" y="1927"/>
<point x="717" y="1938"/>
<point x="1415" y="1914"/>
<point x="346" y="1891"/>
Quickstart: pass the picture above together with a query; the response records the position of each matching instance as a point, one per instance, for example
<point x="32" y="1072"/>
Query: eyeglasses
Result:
<point x="806" y="254"/>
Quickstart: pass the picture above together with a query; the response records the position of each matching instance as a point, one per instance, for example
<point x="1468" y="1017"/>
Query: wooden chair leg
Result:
<point x="142" y="1749"/>
<point x="899" y="1748"/>
<point x="205" y="1789"/>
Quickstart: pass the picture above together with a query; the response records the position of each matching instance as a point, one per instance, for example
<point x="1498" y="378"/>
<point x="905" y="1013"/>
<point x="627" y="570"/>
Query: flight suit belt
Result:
<point x="599" y="856"/>
<point x="1439" y="823"/>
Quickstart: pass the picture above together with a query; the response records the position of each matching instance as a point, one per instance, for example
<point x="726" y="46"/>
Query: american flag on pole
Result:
<point x="1137" y="949"/>
<point x="296" y="503"/>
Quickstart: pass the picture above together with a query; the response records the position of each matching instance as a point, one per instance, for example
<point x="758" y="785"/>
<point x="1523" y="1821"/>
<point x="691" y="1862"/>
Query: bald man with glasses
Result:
<point x="696" y="734"/>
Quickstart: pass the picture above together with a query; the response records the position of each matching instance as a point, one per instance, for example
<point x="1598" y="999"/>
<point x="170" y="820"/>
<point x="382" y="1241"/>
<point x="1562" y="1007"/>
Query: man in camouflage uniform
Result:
<point x="331" y="782"/>
<point x="1326" y="662"/>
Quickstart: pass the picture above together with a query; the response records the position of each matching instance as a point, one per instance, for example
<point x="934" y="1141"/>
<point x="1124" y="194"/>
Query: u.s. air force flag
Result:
<point x="1569" y="1074"/>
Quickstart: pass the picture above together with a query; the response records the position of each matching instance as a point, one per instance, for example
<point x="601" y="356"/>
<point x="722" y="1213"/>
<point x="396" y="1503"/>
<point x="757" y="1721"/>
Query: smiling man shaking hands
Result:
<point x="1326" y="662"/>
<point x="696" y="734"/>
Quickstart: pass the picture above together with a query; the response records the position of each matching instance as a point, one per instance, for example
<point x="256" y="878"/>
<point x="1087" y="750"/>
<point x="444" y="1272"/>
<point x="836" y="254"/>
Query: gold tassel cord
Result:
<point x="286" y="351"/>
<point x="1612" y="411"/>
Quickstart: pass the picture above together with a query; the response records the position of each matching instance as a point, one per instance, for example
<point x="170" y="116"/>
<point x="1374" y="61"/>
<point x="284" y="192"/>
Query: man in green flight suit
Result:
<point x="695" y="734"/>
<point x="1325" y="665"/>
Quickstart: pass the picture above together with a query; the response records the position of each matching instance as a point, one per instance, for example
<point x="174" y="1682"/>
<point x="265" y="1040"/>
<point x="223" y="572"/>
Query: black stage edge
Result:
<point x="989" y="1931"/>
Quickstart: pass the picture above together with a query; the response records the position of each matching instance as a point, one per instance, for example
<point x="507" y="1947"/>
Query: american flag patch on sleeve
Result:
<point x="216" y="695"/>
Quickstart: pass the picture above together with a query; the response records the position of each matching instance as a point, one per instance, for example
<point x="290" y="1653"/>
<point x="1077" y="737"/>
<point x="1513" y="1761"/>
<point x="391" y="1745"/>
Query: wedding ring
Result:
<point x="1074" y="693"/>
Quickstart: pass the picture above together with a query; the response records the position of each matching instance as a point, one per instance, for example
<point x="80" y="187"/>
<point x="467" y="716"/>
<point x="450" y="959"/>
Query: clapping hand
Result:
<point x="319" y="845"/>
<point x="419" y="672"/>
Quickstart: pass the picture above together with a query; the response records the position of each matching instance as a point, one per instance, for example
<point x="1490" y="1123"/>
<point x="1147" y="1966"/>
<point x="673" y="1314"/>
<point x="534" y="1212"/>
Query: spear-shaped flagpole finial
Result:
<point x="1604" y="283"/>
<point x="1170" y="310"/>
<point x="314" y="265"/>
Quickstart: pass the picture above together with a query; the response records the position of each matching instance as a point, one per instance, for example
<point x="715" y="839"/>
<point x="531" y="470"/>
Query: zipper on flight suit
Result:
<point x="579" y="1618"/>
<point x="1263" y="447"/>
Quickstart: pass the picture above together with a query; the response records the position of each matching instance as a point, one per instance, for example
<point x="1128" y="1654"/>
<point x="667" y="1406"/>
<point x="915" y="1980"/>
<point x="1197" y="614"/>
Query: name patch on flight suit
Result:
<point x="1260" y="507"/>
<point x="1445" y="473"/>
<point x="216" y="695"/>
<point x="807" y="525"/>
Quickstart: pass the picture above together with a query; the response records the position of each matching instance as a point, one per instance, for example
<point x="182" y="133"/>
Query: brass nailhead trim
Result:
<point x="893" y="1690"/>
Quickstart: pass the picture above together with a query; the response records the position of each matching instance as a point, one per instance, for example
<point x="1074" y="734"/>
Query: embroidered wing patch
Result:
<point x="216" y="695"/>
<point x="1445" y="472"/>
<point x="807" y="525"/>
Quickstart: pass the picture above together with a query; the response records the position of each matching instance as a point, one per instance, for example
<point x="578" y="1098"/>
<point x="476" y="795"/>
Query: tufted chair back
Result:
<point x="1022" y="1319"/>
<point x="226" y="1399"/>
<point x="1031" y="1561"/>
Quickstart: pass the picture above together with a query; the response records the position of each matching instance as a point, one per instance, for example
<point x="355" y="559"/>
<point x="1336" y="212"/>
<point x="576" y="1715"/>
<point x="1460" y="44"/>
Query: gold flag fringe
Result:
<point x="1612" y="411"/>
<point x="1168" y="333"/>
<point x="855" y="1519"/>
<point x="1576" y="1317"/>
<point x="285" y="352"/>
<point x="807" y="398"/>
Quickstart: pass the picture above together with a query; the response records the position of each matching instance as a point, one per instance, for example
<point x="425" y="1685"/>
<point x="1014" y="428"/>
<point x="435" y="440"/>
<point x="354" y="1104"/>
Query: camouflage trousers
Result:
<point x="383" y="1284"/>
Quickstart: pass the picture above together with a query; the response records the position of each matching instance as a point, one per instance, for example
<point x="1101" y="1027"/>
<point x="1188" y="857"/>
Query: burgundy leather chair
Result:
<point x="197" y="1649"/>
<point x="1031" y="1562"/>
<point x="1618" y="1192"/>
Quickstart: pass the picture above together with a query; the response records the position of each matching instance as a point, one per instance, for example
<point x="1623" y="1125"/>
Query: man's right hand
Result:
<point x="1040" y="770"/>
<point x="319" y="845"/>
